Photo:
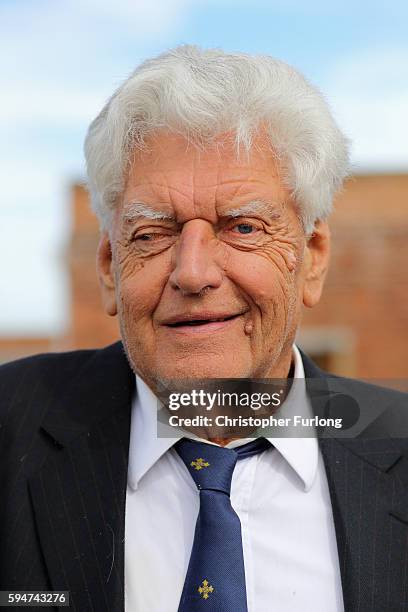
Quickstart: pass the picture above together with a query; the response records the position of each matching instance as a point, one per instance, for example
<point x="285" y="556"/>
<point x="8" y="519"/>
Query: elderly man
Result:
<point x="212" y="175"/>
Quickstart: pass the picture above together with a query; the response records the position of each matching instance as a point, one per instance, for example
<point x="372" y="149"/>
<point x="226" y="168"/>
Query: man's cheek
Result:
<point x="135" y="301"/>
<point x="285" y="256"/>
<point x="127" y="265"/>
<point x="141" y="290"/>
<point x="267" y="275"/>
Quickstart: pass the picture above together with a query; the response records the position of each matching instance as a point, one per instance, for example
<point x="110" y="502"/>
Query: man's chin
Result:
<point x="196" y="372"/>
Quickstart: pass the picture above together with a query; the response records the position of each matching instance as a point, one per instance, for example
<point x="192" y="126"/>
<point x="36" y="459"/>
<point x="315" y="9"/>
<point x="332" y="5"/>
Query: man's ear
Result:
<point x="104" y="266"/>
<point x="317" y="257"/>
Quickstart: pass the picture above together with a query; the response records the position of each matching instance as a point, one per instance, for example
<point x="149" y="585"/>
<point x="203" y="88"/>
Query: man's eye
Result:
<point x="149" y="237"/>
<point x="245" y="228"/>
<point x="152" y="241"/>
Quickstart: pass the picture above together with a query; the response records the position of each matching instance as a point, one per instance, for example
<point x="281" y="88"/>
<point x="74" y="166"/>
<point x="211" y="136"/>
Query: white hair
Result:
<point x="202" y="93"/>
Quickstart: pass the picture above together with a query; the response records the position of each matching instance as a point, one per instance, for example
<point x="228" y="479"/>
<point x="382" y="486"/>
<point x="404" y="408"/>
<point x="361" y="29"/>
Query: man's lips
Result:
<point x="197" y="321"/>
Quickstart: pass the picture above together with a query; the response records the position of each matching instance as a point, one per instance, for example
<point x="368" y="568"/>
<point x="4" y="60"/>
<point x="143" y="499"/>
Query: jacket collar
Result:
<point x="381" y="456"/>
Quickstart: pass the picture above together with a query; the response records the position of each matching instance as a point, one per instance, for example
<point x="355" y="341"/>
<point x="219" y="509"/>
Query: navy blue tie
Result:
<point x="215" y="579"/>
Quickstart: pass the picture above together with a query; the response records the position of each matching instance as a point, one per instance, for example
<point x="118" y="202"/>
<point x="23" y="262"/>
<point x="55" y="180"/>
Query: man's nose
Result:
<point x="195" y="263"/>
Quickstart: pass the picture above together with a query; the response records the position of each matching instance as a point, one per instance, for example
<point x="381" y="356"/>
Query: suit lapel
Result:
<point x="368" y="489"/>
<point x="79" y="494"/>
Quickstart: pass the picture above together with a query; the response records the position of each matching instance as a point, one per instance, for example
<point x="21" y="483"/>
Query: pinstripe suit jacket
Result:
<point x="64" y="438"/>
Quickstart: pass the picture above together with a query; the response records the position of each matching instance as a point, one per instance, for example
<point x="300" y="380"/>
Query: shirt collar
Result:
<point x="145" y="448"/>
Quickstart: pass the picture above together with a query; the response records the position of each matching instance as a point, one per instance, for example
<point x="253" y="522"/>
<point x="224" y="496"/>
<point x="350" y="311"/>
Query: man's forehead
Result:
<point x="179" y="181"/>
<point x="167" y="158"/>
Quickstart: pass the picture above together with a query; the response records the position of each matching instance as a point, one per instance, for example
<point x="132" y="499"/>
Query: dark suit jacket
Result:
<point x="64" y="438"/>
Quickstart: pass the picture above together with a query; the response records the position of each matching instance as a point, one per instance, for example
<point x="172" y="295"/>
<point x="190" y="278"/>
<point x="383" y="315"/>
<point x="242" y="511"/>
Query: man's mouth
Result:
<point x="201" y="322"/>
<point x="195" y="322"/>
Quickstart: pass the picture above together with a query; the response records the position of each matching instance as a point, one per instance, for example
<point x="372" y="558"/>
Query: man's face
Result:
<point x="213" y="286"/>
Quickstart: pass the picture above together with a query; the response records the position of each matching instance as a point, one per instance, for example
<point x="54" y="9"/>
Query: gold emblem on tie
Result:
<point x="205" y="589"/>
<point x="199" y="463"/>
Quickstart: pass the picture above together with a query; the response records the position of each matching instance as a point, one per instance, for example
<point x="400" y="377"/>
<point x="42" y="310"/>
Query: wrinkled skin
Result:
<point x="260" y="266"/>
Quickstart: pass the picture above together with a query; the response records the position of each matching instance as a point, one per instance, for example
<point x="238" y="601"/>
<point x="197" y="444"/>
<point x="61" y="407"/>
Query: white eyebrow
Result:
<point x="137" y="210"/>
<point x="256" y="206"/>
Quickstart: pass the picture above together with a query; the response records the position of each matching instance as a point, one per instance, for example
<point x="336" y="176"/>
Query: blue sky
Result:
<point x="60" y="60"/>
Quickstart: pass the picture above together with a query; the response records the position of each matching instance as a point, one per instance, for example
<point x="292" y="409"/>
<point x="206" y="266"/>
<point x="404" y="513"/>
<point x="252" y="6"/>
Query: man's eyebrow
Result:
<point x="139" y="210"/>
<point x="256" y="206"/>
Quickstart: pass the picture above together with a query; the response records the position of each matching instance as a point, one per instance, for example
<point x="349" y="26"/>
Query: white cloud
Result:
<point x="142" y="17"/>
<point x="48" y="104"/>
<point x="59" y="61"/>
<point x="369" y="93"/>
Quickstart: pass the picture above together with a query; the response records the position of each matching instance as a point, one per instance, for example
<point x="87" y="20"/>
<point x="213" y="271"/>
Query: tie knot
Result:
<point x="210" y="466"/>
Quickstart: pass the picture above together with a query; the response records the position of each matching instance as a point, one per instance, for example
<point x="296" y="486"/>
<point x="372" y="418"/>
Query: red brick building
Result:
<point x="361" y="323"/>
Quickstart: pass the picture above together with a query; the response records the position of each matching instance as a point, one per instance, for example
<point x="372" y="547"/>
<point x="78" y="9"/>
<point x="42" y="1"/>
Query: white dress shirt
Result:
<point x="281" y="497"/>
